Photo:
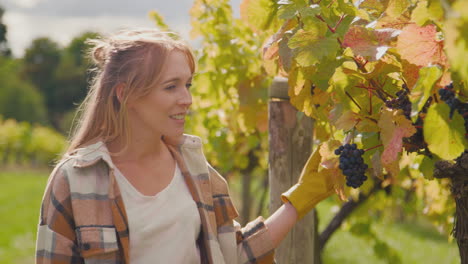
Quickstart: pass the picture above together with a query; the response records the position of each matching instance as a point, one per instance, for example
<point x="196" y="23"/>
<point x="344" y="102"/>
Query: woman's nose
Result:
<point x="186" y="97"/>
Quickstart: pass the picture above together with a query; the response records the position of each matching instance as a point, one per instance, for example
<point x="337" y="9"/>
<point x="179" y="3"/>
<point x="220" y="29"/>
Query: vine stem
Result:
<point x="354" y="101"/>
<point x="323" y="20"/>
<point x="374" y="147"/>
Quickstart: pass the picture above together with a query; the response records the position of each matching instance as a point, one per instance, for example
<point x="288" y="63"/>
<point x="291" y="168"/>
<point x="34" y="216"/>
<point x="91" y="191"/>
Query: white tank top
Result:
<point x="164" y="227"/>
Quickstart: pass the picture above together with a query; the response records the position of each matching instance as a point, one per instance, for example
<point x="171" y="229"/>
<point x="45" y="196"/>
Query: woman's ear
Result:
<point x="119" y="91"/>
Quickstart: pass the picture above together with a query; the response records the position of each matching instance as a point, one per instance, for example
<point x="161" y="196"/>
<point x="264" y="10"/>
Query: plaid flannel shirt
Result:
<point x="83" y="219"/>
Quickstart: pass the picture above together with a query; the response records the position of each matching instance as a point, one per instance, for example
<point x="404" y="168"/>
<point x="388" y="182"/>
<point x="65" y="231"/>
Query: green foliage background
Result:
<point x="230" y="113"/>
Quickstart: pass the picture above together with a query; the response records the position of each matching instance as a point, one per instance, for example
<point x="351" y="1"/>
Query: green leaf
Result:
<point x="159" y="20"/>
<point x="347" y="7"/>
<point x="303" y="38"/>
<point x="422" y="90"/>
<point x="287" y="11"/>
<point x="362" y="229"/>
<point x="310" y="11"/>
<point x="311" y="46"/>
<point x="427" y="168"/>
<point x="340" y="83"/>
<point x="258" y="13"/>
<point x="456" y="41"/>
<point x="444" y="137"/>
<point x="396" y="8"/>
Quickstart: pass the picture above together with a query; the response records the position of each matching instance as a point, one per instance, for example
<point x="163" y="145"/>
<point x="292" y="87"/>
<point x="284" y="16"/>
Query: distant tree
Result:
<point x="40" y="62"/>
<point x="61" y="74"/>
<point x="4" y="49"/>
<point x="78" y="48"/>
<point x="19" y="99"/>
<point x="72" y="76"/>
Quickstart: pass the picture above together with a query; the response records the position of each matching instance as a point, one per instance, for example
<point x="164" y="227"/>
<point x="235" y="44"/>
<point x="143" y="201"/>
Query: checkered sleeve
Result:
<point x="253" y="241"/>
<point x="56" y="239"/>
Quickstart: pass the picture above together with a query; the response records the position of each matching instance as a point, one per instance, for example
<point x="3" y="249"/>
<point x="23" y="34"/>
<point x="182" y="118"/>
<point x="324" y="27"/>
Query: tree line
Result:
<point x="46" y="83"/>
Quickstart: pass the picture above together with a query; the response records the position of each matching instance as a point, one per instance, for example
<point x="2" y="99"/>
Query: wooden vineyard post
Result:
<point x="290" y="141"/>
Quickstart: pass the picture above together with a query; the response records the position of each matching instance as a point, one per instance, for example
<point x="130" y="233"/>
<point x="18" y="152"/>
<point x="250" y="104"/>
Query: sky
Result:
<point x="62" y="20"/>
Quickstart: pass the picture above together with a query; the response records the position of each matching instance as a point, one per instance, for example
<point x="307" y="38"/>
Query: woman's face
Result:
<point x="163" y="110"/>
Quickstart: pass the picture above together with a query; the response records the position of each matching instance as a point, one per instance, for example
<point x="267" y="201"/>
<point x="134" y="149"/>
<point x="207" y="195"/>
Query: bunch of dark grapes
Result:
<point x="401" y="102"/>
<point x="352" y="164"/>
<point x="416" y="142"/>
<point x="448" y="96"/>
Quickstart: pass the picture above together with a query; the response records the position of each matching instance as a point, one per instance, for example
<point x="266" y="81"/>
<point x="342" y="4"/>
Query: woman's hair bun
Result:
<point x="99" y="51"/>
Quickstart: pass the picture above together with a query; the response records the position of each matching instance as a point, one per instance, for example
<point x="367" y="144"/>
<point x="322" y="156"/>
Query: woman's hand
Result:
<point x="311" y="188"/>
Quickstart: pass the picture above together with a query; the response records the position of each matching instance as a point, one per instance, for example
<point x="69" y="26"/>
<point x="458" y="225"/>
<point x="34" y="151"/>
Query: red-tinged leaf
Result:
<point x="421" y="45"/>
<point x="285" y="53"/>
<point x="327" y="151"/>
<point x="347" y="121"/>
<point x="385" y="35"/>
<point x="387" y="21"/>
<point x="360" y="40"/>
<point x="394" y="127"/>
<point x="410" y="73"/>
<point x="446" y="78"/>
<point x="270" y="42"/>
<point x="393" y="169"/>
<point x="369" y="43"/>
<point x="271" y="51"/>
<point x="337" y="179"/>
<point x="393" y="147"/>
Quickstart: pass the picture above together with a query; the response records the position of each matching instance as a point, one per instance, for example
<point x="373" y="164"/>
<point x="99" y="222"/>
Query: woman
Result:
<point x="132" y="188"/>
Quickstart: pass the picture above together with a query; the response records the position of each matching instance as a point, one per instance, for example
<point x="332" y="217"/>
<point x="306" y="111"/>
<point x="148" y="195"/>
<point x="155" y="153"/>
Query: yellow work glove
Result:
<point x="311" y="188"/>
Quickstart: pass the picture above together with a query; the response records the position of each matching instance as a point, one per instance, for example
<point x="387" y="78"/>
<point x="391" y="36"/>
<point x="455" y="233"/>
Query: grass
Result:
<point x="21" y="193"/>
<point x="20" y="198"/>
<point x="415" y="242"/>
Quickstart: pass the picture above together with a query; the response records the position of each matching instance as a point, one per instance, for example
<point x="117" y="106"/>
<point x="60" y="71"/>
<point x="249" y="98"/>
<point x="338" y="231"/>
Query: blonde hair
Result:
<point x="135" y="58"/>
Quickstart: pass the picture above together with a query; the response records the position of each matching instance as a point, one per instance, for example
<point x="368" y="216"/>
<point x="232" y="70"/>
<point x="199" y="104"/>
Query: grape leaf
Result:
<point x="428" y="76"/>
<point x="258" y="13"/>
<point x="387" y="21"/>
<point x="347" y="121"/>
<point x="396" y="7"/>
<point x="369" y="43"/>
<point x="309" y="11"/>
<point x="410" y="73"/>
<point x="270" y="48"/>
<point x="426" y="11"/>
<point x="340" y="84"/>
<point x="327" y="151"/>
<point x="421" y="46"/>
<point x="393" y="128"/>
<point x="287" y="10"/>
<point x="444" y="137"/>
<point x="285" y="53"/>
<point x="427" y="167"/>
<point x="371" y="4"/>
<point x="456" y="41"/>
<point x="330" y="163"/>
<point x="311" y="46"/>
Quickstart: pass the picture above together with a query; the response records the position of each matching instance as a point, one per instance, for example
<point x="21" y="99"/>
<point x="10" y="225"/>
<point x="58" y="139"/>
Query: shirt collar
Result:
<point x="92" y="154"/>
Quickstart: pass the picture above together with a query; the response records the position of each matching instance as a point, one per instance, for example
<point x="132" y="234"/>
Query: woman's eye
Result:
<point x="170" y="87"/>
<point x="188" y="85"/>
